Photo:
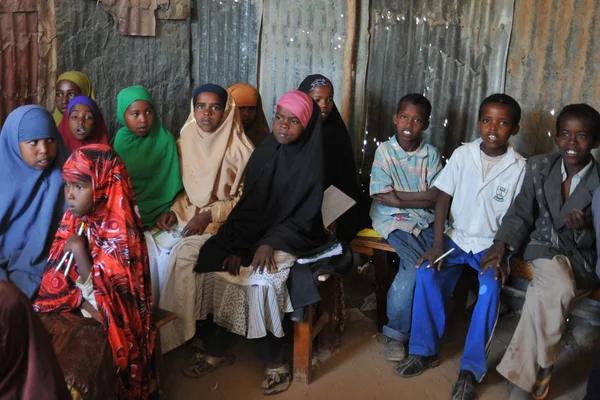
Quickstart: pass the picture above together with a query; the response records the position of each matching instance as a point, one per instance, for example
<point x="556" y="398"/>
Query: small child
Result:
<point x="481" y="180"/>
<point x="553" y="216"/>
<point x="83" y="124"/>
<point x="109" y="276"/>
<point x="401" y="178"/>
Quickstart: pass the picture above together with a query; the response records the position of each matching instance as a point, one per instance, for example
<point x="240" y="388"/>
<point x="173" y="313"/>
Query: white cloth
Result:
<point x="87" y="291"/>
<point x="577" y="177"/>
<point x="487" y="162"/>
<point x="478" y="205"/>
<point x="159" y="260"/>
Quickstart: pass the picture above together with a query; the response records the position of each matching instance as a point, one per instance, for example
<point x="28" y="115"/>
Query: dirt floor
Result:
<point x="357" y="370"/>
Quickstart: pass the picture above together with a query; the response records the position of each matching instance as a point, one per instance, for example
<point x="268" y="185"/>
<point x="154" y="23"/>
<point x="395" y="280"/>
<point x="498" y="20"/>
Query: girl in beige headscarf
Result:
<point x="213" y="152"/>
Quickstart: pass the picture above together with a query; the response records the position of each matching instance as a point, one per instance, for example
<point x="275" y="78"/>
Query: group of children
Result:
<point x="486" y="204"/>
<point x="79" y="221"/>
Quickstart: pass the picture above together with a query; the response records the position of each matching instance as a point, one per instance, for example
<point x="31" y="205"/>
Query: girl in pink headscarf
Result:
<point x="244" y="268"/>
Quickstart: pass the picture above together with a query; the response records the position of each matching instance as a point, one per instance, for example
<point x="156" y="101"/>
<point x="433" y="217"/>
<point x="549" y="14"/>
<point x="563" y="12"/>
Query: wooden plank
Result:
<point x="382" y="285"/>
<point x="373" y="243"/>
<point x="303" y="348"/>
<point x="162" y="317"/>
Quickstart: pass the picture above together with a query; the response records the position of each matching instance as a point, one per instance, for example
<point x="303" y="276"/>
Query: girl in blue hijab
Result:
<point x="32" y="203"/>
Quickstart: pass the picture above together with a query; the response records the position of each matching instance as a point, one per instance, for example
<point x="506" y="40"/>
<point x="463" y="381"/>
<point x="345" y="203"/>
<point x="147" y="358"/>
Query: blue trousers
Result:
<point x="400" y="296"/>
<point x="432" y="294"/>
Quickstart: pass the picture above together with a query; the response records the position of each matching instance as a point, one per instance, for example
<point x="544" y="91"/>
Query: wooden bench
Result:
<point x="321" y="321"/>
<point x="160" y="318"/>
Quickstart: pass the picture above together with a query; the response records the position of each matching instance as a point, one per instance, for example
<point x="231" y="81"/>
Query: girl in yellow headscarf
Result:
<point x="69" y="85"/>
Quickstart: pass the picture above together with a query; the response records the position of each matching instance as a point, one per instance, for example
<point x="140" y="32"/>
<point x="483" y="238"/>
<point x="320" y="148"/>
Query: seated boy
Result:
<point x="552" y="216"/>
<point x="402" y="174"/>
<point x="481" y="179"/>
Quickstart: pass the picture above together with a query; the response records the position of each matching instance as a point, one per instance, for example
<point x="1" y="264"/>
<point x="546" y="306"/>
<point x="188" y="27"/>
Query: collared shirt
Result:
<point x="395" y="169"/>
<point x="577" y="177"/>
<point x="478" y="204"/>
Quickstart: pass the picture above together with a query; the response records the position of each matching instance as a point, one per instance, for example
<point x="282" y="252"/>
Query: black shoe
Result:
<point x="465" y="387"/>
<point x="415" y="365"/>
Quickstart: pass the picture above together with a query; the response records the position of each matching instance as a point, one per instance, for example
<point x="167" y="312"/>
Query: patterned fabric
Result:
<point x="120" y="272"/>
<point x="395" y="169"/>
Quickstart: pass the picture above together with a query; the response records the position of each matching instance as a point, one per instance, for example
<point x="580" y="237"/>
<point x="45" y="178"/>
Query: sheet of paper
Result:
<point x="335" y="204"/>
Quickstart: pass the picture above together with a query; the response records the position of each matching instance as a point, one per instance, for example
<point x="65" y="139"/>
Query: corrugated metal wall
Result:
<point x="453" y="52"/>
<point x="224" y="42"/>
<point x="553" y="60"/>
<point x="88" y="42"/>
<point x="300" y="38"/>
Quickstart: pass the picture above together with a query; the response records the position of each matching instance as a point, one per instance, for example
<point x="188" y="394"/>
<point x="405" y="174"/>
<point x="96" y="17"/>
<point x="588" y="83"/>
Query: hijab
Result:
<point x="339" y="159"/>
<point x="29" y="369"/>
<point x="247" y="96"/>
<point x="152" y="161"/>
<point x="120" y="273"/>
<point x="283" y="193"/>
<point x="32" y="201"/>
<point x="84" y="84"/>
<point x="212" y="164"/>
<point x="98" y="136"/>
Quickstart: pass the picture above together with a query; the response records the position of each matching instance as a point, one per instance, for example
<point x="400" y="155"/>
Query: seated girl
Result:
<point x="243" y="269"/>
<point x="83" y="124"/>
<point x="213" y="151"/>
<point x="253" y="117"/>
<point x="32" y="201"/>
<point x="69" y="85"/>
<point x="339" y="161"/>
<point x="99" y="263"/>
<point x="149" y="153"/>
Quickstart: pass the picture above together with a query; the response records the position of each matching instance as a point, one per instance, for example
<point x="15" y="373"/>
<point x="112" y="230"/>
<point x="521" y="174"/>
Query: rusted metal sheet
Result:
<point x="26" y="53"/>
<point x="224" y="41"/>
<point x="300" y="37"/>
<point x="133" y="17"/>
<point x="553" y="60"/>
<point x="173" y="9"/>
<point x="453" y="52"/>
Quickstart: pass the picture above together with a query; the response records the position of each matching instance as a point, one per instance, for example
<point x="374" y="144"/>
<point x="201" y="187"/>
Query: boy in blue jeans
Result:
<point x="402" y="174"/>
<point x="481" y="180"/>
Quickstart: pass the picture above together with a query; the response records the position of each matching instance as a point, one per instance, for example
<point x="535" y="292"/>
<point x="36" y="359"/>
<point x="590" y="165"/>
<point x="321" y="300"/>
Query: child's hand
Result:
<point x="495" y="258"/>
<point x="197" y="225"/>
<point x="575" y="220"/>
<point x="232" y="264"/>
<point x="387" y="199"/>
<point x="166" y="221"/>
<point x="76" y="244"/>
<point x="431" y="255"/>
<point x="263" y="259"/>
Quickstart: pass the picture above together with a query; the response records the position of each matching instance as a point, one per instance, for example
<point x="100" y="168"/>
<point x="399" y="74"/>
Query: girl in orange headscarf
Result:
<point x="109" y="277"/>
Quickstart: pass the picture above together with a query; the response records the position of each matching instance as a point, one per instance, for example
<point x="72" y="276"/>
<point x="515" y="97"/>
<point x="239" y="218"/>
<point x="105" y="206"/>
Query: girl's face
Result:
<point x="81" y="121"/>
<point x="287" y="128"/>
<point x="39" y="154"/>
<point x="208" y="111"/>
<point x="323" y="95"/>
<point x="65" y="91"/>
<point x="139" y="117"/>
<point x="79" y="197"/>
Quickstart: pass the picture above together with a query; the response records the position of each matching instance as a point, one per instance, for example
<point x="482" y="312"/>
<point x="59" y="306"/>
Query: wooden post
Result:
<point x="303" y="348"/>
<point x="382" y="285"/>
<point x="349" y="63"/>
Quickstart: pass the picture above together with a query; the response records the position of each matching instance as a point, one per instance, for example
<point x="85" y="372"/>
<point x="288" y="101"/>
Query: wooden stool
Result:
<point x="160" y="318"/>
<point x="323" y="328"/>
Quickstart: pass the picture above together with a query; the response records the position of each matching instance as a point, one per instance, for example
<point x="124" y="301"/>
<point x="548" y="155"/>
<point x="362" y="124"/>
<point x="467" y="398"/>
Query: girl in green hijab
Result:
<point x="149" y="152"/>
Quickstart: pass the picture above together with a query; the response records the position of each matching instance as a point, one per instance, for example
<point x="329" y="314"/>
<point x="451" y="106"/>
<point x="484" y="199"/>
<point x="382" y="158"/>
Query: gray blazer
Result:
<point x="536" y="218"/>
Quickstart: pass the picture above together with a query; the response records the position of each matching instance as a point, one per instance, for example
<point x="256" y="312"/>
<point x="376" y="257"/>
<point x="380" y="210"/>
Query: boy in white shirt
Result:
<point x="481" y="180"/>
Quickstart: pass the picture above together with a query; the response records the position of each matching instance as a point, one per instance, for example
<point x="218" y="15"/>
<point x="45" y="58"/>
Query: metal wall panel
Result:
<point x="553" y="60"/>
<point x="453" y="52"/>
<point x="88" y="42"/>
<point x="299" y="38"/>
<point x="224" y="41"/>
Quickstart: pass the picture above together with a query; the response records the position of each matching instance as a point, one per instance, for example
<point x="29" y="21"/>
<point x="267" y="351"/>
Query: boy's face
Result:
<point x="575" y="141"/>
<point x="495" y="128"/>
<point x="81" y="121"/>
<point x="411" y="120"/>
<point x="139" y="117"/>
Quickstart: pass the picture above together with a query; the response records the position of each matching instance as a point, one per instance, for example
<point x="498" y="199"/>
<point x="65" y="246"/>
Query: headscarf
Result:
<point x="247" y="96"/>
<point x="283" y="193"/>
<point x="212" y="164"/>
<point x="29" y="368"/>
<point x="32" y="201"/>
<point x="120" y="272"/>
<point x="98" y="136"/>
<point x="339" y="160"/>
<point x="84" y="84"/>
<point x="152" y="161"/>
